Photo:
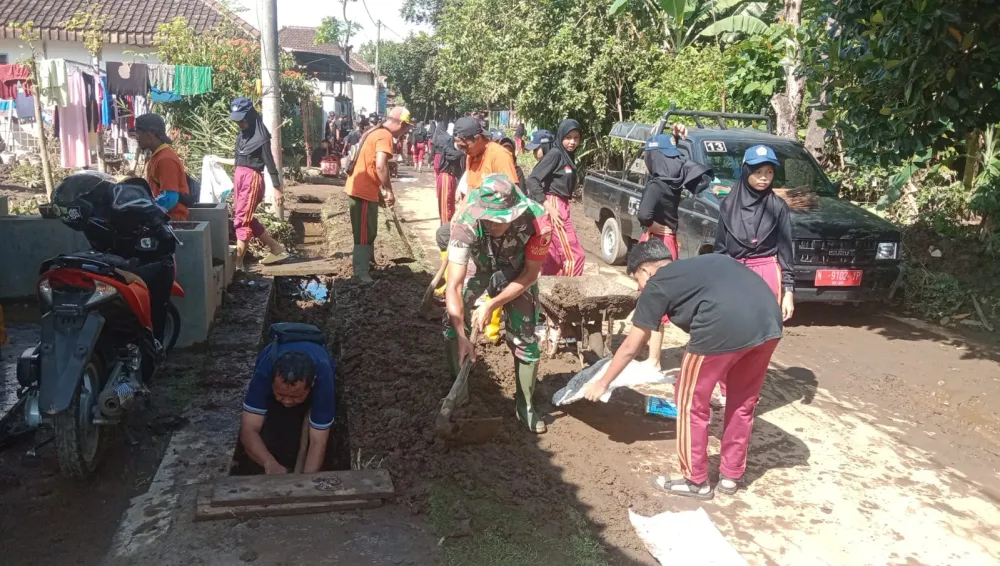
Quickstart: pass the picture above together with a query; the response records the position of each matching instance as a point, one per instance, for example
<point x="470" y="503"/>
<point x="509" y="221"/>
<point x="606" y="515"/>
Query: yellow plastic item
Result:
<point x="439" y="292"/>
<point x="493" y="328"/>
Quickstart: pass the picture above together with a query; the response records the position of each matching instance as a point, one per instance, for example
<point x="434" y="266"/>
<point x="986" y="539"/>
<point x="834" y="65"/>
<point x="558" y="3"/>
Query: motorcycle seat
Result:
<point x="103" y="264"/>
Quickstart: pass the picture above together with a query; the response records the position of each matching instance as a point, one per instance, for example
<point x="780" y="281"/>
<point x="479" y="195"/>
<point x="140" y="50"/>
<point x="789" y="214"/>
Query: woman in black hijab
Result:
<point x="552" y="183"/>
<point x="449" y="163"/>
<point x="755" y="226"/>
<point x="253" y="155"/>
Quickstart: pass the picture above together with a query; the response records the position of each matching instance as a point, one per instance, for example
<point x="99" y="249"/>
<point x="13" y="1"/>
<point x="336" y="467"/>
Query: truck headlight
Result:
<point x="887" y="250"/>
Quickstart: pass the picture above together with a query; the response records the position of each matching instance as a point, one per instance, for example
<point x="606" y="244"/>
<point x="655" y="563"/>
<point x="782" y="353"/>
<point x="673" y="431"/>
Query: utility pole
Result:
<point x="271" y="87"/>
<point x="378" y="44"/>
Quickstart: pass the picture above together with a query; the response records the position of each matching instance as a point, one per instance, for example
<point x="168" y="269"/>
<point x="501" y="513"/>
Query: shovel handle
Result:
<point x="448" y="404"/>
<point x="434" y="283"/>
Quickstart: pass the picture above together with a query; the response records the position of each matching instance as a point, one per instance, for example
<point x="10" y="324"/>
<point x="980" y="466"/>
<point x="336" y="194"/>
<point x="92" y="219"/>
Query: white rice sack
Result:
<point x="685" y="537"/>
<point x="634" y="374"/>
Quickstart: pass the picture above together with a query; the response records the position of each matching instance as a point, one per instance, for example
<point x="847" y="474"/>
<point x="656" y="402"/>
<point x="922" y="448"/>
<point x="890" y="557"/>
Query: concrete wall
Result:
<point x="196" y="276"/>
<point x="30" y="240"/>
<point x="217" y="216"/>
<point x="77" y="52"/>
<point x="363" y="88"/>
<point x="27" y="242"/>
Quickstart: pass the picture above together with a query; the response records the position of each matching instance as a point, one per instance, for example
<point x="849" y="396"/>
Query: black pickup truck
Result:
<point x="842" y="253"/>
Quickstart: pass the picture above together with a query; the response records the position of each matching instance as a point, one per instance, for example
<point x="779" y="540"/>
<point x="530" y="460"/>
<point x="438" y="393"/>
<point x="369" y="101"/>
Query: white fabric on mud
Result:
<point x="685" y="537"/>
<point x="634" y="374"/>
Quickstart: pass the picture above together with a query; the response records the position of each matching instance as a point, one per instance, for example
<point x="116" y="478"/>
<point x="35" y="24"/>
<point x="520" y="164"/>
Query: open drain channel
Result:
<point x="305" y="299"/>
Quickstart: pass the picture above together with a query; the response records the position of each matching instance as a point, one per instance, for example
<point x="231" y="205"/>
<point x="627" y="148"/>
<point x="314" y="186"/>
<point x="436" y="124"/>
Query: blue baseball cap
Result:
<point x="239" y="108"/>
<point x="664" y="143"/>
<point x="539" y="138"/>
<point x="760" y="154"/>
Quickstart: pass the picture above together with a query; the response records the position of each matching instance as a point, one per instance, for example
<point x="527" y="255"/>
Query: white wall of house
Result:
<point x="16" y="50"/>
<point x="362" y="87"/>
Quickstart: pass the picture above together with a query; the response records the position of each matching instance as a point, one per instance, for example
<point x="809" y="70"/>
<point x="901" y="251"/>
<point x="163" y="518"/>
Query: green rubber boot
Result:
<point x="361" y="260"/>
<point x="454" y="367"/>
<point x="527" y="379"/>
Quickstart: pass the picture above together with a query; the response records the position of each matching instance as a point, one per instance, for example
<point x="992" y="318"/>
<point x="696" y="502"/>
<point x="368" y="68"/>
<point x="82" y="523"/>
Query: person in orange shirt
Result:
<point x="369" y="181"/>
<point x="164" y="172"/>
<point x="484" y="157"/>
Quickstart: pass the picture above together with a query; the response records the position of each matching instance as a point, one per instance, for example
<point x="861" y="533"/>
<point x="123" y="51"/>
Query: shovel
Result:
<point x="464" y="431"/>
<point x="408" y="258"/>
<point x="425" y="303"/>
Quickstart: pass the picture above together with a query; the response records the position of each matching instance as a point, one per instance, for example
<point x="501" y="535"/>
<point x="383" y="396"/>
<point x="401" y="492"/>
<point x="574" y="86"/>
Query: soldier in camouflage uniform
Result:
<point x="506" y="236"/>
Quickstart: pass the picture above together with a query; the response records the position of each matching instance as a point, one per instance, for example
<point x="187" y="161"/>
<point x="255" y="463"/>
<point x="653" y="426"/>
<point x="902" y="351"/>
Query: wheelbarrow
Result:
<point x="581" y="311"/>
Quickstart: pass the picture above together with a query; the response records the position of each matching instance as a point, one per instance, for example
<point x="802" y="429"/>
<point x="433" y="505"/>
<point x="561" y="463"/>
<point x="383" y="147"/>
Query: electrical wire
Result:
<point x="379" y="23"/>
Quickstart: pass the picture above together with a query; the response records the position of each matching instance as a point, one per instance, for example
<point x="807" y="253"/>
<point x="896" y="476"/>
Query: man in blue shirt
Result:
<point x="292" y="381"/>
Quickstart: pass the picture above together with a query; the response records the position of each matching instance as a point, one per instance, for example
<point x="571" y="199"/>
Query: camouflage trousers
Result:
<point x="520" y="318"/>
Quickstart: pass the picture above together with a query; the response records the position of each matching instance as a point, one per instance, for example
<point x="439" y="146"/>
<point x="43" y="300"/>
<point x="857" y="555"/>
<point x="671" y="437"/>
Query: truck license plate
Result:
<point x="838" y="278"/>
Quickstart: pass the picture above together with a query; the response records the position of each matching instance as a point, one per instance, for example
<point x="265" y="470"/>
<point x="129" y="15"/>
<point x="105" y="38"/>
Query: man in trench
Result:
<point x="292" y="385"/>
<point x="506" y="236"/>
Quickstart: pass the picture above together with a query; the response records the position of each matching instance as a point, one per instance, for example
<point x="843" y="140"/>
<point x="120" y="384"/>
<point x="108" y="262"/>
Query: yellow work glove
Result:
<point x="439" y="292"/>
<point x="493" y="327"/>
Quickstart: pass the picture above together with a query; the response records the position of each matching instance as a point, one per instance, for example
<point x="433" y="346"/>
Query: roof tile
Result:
<point x="295" y="38"/>
<point x="138" y="19"/>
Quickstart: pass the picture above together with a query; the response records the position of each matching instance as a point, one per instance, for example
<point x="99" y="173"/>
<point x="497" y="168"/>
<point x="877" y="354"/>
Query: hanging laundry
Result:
<point x="192" y="80"/>
<point x="73" y="136"/>
<point x="130" y="79"/>
<point x="161" y="77"/>
<point x="157" y="95"/>
<point x="24" y="105"/>
<point x="90" y="106"/>
<point x="106" y="114"/>
<point x="52" y="82"/>
<point x="10" y="77"/>
<point x="5" y="105"/>
<point x="141" y="105"/>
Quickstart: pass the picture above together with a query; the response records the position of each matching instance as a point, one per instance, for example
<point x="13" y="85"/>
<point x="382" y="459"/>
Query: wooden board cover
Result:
<point x="204" y="511"/>
<point x="347" y="485"/>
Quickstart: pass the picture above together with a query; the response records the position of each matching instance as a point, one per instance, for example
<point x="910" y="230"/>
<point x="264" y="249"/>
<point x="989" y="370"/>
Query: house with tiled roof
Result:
<point x="344" y="87"/>
<point x="128" y="33"/>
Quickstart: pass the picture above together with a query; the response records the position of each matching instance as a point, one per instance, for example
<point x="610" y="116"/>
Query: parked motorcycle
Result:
<point x="99" y="347"/>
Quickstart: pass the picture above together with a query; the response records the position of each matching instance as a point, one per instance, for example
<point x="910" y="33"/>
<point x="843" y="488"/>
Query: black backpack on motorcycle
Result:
<point x="285" y="332"/>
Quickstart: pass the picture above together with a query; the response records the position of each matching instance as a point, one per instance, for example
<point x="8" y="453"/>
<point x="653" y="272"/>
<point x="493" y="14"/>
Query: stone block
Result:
<point x="218" y="218"/>
<point x="195" y="275"/>
<point x="27" y="241"/>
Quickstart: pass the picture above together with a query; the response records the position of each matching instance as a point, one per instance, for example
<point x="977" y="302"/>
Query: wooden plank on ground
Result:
<point x="347" y="485"/>
<point x="204" y="511"/>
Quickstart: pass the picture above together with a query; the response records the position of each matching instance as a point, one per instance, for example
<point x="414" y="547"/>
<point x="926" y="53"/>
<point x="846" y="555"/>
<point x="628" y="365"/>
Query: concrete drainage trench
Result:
<point x="307" y="299"/>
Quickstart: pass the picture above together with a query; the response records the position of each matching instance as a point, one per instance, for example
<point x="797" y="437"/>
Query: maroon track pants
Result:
<point x="743" y="371"/>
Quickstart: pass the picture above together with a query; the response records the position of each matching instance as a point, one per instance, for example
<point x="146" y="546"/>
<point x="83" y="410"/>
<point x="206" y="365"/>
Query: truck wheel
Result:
<point x="613" y="247"/>
<point x="80" y="441"/>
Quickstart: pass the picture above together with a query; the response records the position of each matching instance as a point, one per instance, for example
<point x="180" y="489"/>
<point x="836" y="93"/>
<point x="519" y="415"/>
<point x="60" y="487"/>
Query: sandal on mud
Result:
<point x="728" y="486"/>
<point x="271" y="259"/>
<point x="684" y="487"/>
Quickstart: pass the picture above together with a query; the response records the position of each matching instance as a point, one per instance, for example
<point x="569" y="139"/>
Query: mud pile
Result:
<point x="393" y="374"/>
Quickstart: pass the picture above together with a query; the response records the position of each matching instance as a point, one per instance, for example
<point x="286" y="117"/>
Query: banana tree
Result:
<point x="685" y="21"/>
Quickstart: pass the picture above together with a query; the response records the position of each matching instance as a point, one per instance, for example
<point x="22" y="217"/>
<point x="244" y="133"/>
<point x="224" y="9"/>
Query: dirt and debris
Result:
<point x="587" y="297"/>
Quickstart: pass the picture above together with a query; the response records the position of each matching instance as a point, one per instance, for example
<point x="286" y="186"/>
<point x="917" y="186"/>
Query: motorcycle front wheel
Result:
<point x="80" y="442"/>
<point x="171" y="328"/>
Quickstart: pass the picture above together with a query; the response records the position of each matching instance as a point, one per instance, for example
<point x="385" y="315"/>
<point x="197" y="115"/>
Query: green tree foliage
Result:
<point x="754" y="72"/>
<point x="694" y="78"/>
<point x="909" y="74"/>
<point x="409" y="69"/>
<point x="333" y="31"/>
<point x="550" y="60"/>
<point x="680" y="23"/>
<point x="422" y="11"/>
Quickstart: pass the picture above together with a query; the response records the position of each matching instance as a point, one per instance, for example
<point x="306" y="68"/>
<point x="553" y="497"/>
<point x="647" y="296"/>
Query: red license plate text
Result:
<point x="838" y="278"/>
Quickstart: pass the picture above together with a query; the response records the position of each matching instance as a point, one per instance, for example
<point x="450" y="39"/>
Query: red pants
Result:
<point x="671" y="242"/>
<point x="248" y="191"/>
<point x="446" y="186"/>
<point x="744" y="372"/>
<point x="418" y="153"/>
<point x="566" y="255"/>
